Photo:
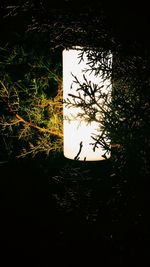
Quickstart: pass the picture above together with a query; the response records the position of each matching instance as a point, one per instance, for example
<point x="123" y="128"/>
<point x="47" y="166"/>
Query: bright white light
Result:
<point x="77" y="132"/>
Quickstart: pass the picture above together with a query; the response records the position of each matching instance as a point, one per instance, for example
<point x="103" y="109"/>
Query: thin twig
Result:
<point x="54" y="133"/>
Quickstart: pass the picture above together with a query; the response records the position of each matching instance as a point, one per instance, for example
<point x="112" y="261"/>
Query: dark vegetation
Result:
<point x="54" y="210"/>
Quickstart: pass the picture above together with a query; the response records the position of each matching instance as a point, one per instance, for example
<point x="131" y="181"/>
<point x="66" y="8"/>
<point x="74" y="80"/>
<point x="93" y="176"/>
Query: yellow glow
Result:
<point x="77" y="132"/>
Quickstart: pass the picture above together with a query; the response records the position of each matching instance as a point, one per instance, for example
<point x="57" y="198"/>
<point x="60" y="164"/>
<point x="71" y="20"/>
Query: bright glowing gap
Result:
<point x="78" y="131"/>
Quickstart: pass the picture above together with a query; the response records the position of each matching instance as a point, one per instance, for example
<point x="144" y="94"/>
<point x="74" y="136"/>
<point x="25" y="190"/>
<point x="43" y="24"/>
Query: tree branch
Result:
<point x="52" y="132"/>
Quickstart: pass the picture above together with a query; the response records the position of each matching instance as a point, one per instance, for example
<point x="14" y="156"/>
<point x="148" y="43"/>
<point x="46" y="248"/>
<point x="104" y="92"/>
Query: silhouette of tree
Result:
<point x="54" y="27"/>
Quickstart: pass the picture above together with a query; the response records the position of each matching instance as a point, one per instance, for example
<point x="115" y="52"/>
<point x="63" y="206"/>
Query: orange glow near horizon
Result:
<point x="77" y="132"/>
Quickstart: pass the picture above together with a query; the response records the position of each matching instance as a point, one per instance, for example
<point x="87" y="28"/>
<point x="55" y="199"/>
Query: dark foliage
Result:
<point x="56" y="211"/>
<point x="93" y="25"/>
